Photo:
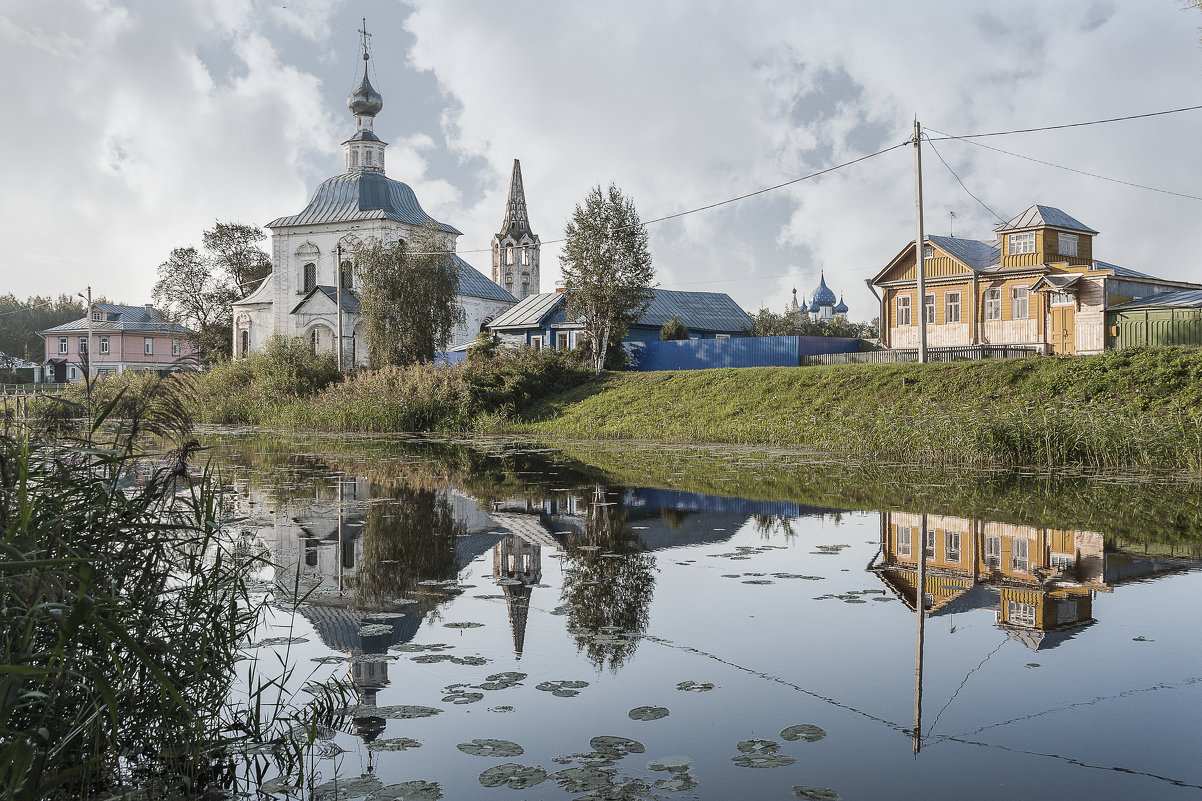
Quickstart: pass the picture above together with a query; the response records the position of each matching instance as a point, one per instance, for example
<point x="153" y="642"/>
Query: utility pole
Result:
<point x="920" y="634"/>
<point x="920" y="246"/>
<point x="338" y="295"/>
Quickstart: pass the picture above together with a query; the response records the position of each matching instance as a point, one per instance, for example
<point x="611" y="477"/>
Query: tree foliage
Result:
<point x="407" y="298"/>
<point x="673" y="329"/>
<point x="607" y="268"/>
<point x="20" y="320"/>
<point x="196" y="287"/>
<point x="767" y="323"/>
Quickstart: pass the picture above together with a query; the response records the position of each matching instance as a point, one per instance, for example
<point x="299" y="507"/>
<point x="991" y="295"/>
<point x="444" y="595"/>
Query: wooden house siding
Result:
<point x="1047" y="249"/>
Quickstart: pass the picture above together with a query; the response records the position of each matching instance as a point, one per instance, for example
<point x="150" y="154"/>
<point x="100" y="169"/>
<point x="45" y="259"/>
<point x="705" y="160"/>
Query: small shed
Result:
<point x="1167" y="318"/>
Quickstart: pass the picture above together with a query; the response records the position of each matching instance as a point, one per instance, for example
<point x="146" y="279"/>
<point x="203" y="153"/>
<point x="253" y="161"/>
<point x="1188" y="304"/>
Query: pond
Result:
<point x="637" y="621"/>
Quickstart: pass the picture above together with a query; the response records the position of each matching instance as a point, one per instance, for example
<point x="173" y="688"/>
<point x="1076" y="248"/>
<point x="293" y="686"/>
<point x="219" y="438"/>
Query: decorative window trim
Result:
<point x="83" y="344"/>
<point x="62" y="344"/>
<point x="1020" y="243"/>
<point x="1020" y="303"/>
<point x="993" y="304"/>
<point x="903" y="310"/>
<point x="903" y="541"/>
<point x="928" y="308"/>
<point x="1061" y="299"/>
<point x="951" y="307"/>
<point x="1067" y="244"/>
<point x="175" y="347"/>
<point x="1020" y="614"/>
<point x="148" y="346"/>
<point x="104" y="344"/>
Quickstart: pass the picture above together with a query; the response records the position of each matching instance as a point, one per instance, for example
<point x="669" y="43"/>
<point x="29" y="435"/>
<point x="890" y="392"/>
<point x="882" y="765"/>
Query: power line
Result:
<point x="962" y="186"/>
<point x="1073" y="169"/>
<point x="1068" y="125"/>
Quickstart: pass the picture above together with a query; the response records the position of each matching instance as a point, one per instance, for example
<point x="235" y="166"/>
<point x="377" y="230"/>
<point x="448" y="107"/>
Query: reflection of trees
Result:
<point x="766" y="524"/>
<point x="406" y="539"/>
<point x="608" y="594"/>
<point x="674" y="518"/>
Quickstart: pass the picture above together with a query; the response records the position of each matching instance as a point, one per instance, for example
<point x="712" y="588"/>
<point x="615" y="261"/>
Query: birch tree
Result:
<point x="607" y="268"/>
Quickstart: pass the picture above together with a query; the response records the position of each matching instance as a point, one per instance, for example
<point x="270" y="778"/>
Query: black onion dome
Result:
<point x="365" y="101"/>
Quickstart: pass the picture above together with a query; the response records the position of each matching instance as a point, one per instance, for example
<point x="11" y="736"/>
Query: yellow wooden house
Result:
<point x="1037" y="284"/>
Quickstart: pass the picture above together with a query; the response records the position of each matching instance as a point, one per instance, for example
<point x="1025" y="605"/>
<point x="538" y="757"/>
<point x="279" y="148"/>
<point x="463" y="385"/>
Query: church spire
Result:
<point x="516" y="222"/>
<point x="364" y="151"/>
<point x="515" y="249"/>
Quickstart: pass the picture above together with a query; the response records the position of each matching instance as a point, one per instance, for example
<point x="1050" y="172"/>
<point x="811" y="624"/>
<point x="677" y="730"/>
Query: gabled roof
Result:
<point x="350" y="301"/>
<point x="473" y="284"/>
<point x="140" y="319"/>
<point x="699" y="311"/>
<point x="1040" y="216"/>
<point x="1125" y="272"/>
<point x="1183" y="299"/>
<point x="529" y="312"/>
<point x="362" y="196"/>
<point x="973" y="253"/>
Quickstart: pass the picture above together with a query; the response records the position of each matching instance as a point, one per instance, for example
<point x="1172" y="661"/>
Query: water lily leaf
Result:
<point x="762" y="581"/>
<point x="430" y="659"/>
<point x="618" y="746"/>
<point x="409" y="647"/>
<point x="758" y="746"/>
<point x="278" y="641"/>
<point x="508" y="582"/>
<point x="803" y="731"/>
<point x="648" y="713"/>
<point x="811" y="793"/>
<point x="516" y="776"/>
<point x="374" y="629"/>
<point x="462" y="697"/>
<point x="470" y="660"/>
<point x="400" y="712"/>
<point x="762" y="760"/>
<point x="359" y="658"/>
<point x="672" y="764"/>
<point x="508" y="676"/>
<point x="677" y="782"/>
<point x="328" y="660"/>
<point x="463" y="625"/>
<point x="695" y="686"/>
<point x="560" y="610"/>
<point x="408" y="791"/>
<point x="491" y="748"/>
<point x="393" y="744"/>
<point x="562" y="688"/>
<point x="338" y="789"/>
<point x="583" y="780"/>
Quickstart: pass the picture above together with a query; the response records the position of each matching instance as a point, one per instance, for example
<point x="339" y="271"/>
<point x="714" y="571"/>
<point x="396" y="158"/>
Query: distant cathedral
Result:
<point x="515" y="248"/>
<point x="822" y="306"/>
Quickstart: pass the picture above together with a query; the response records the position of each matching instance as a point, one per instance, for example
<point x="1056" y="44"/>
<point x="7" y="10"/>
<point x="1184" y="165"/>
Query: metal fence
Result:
<point x="961" y="354"/>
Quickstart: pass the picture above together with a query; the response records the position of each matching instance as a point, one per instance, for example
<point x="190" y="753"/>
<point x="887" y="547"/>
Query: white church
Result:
<point x="312" y="252"/>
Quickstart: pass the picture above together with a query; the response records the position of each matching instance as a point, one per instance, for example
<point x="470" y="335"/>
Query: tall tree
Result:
<point x="607" y="268"/>
<point x="195" y="295"/>
<point x="407" y="298"/>
<point x="233" y="248"/>
<point x="21" y="320"/>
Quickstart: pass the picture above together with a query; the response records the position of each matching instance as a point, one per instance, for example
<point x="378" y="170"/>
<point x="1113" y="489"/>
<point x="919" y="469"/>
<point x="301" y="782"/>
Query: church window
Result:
<point x="348" y="276"/>
<point x="245" y="344"/>
<point x="511" y="254"/>
<point x="354" y="158"/>
<point x="951" y="313"/>
<point x="525" y="289"/>
<point x="310" y="277"/>
<point x="367" y="157"/>
<point x="1022" y="243"/>
<point x="903" y="310"/>
<point x="993" y="304"/>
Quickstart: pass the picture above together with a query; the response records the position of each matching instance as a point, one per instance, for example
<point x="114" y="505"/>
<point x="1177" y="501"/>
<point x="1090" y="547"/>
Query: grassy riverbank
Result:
<point x="1128" y="409"/>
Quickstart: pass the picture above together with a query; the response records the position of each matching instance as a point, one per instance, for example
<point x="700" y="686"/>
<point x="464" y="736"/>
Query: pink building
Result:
<point x="122" y="338"/>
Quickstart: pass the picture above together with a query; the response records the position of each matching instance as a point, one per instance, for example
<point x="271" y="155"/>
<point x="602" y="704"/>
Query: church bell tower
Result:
<point x="515" y="248"/>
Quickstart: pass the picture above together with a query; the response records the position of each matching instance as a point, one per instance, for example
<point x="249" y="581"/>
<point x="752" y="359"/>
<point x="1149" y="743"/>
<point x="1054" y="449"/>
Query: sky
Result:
<point x="131" y="126"/>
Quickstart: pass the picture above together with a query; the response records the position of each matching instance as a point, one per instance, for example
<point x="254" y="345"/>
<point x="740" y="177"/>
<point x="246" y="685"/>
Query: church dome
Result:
<point x="823" y="296"/>
<point x="841" y="308"/>
<point x="362" y="196"/>
<point x="365" y="101"/>
<point x="814" y="307"/>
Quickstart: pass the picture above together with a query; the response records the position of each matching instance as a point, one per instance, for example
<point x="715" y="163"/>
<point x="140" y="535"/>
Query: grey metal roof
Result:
<point x="1038" y="216"/>
<point x="529" y="312"/>
<point x="474" y="284"/>
<point x="364" y="135"/>
<point x="350" y="301"/>
<point x="699" y="311"/>
<point x="1117" y="270"/>
<point x="1184" y="299"/>
<point x="141" y="319"/>
<point x="362" y="196"/>
<point x="976" y="254"/>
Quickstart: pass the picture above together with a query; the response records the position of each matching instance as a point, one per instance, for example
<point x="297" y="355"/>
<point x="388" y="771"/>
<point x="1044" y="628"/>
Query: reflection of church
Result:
<point x="1040" y="582"/>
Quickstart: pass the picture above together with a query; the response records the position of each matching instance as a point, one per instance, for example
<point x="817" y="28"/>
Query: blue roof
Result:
<point x="841" y="307"/>
<point x="1038" y="216"/>
<point x="1184" y="298"/>
<point x="143" y="319"/>
<point x="823" y="296"/>
<point x="699" y="311"/>
<point x="977" y="255"/>
<point x="472" y="283"/>
<point x="362" y="196"/>
<point x="814" y="308"/>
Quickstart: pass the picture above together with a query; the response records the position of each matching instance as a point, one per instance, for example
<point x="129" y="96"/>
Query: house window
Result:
<point x="928" y="309"/>
<point x="1020" y="551"/>
<point x="536" y="343"/>
<point x="1020" y="614"/>
<point x="1068" y="244"/>
<point x="310" y="277"/>
<point x="903" y="310"/>
<point x="348" y="276"/>
<point x="928" y="252"/>
<point x="1066" y="612"/>
<point x="175" y="347"/>
<point x="62" y="344"/>
<point x="96" y="314"/>
<point x="951" y="311"/>
<point x="73" y="374"/>
<point x="83" y="344"/>
<point x="993" y="552"/>
<point x="104" y="344"/>
<point x="1019" y="303"/>
<point x="903" y="541"/>
<point x="1060" y="299"/>
<point x="993" y="304"/>
<point x="929" y="544"/>
<point x="1022" y="243"/>
<point x="561" y="340"/>
<point x="245" y="344"/>
<point x="721" y="336"/>
<point x="951" y="546"/>
<point x="148" y="344"/>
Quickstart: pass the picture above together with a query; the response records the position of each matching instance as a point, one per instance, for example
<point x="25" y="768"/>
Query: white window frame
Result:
<point x="73" y="374"/>
<point x="951" y="307"/>
<point x="83" y="344"/>
<point x="1067" y="244"/>
<point x="104" y="344"/>
<point x="1061" y="299"/>
<point x="928" y="252"/>
<point x="951" y="546"/>
<point x="721" y="336"/>
<point x="1023" y="242"/>
<point x="536" y="342"/>
<point x="929" y="542"/>
<point x="993" y="552"/>
<point x="928" y="308"/>
<point x="1020" y="554"/>
<point x="563" y="340"/>
<point x="148" y="346"/>
<point x="1020" y="301"/>
<point x="903" y="541"/>
<point x="903" y="310"/>
<point x="993" y="304"/>
<point x="63" y="344"/>
<point x="96" y="314"/>
<point x="1020" y="614"/>
<point x="174" y="347"/>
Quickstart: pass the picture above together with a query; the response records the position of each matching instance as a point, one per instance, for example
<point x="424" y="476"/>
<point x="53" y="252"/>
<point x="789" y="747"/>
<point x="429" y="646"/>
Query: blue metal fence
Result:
<point x="704" y="354"/>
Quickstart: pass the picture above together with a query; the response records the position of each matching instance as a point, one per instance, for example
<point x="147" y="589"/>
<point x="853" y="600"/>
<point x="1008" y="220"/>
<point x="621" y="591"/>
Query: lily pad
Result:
<point x="758" y="746"/>
<point x="648" y="713"/>
<point x="695" y="686"/>
<point x="491" y="748"/>
<point x="811" y="793"/>
<point x="337" y="789"/>
<point x="278" y="641"/>
<point x="462" y="625"/>
<point x="759" y="581"/>
<point x="462" y="697"/>
<point x="430" y="659"/>
<point x="803" y="731"/>
<point x="393" y="744"/>
<point x="677" y="782"/>
<point x="672" y="764"/>
<point x="374" y="629"/>
<point x="762" y="760"/>
<point x="402" y="712"/>
<point x="563" y="688"/>
<point x="618" y="746"/>
<point x="587" y="779"/>
<point x="517" y="777"/>
<point x="470" y="660"/>
<point x="501" y="681"/>
<point x="408" y="791"/>
<point x="414" y="648"/>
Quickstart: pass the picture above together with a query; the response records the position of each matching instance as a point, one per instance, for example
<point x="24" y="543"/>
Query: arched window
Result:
<point x="310" y="278"/>
<point x="244" y="348"/>
<point x="313" y="340"/>
<point x="348" y="553"/>
<point x="348" y="276"/>
<point x="511" y="255"/>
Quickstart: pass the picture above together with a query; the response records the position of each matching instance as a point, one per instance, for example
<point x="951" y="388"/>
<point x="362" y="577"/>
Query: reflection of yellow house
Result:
<point x="1037" y="284"/>
<point x="1037" y="580"/>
